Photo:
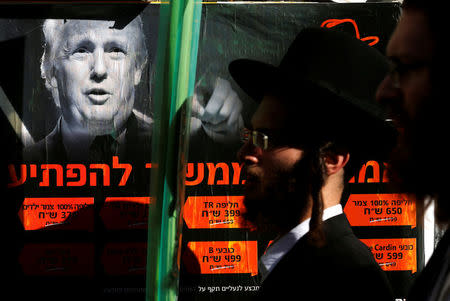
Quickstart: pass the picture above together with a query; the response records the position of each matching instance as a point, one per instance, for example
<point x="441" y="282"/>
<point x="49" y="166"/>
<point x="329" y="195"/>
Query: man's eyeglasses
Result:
<point x="257" y="138"/>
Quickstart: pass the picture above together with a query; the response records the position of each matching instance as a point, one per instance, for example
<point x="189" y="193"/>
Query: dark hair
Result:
<point x="318" y="177"/>
<point x="421" y="4"/>
<point x="335" y="129"/>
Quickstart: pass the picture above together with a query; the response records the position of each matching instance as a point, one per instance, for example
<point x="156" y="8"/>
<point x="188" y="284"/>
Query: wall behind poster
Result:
<point x="219" y="253"/>
<point x="80" y="226"/>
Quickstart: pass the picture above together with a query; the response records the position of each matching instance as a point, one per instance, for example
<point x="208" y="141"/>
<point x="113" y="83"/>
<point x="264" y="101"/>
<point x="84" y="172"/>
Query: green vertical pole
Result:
<point x="174" y="83"/>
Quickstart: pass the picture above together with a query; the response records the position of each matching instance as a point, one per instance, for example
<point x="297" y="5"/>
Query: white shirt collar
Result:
<point x="284" y="244"/>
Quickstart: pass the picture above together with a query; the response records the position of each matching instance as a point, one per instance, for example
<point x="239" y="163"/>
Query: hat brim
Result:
<point x="253" y="77"/>
<point x="371" y="135"/>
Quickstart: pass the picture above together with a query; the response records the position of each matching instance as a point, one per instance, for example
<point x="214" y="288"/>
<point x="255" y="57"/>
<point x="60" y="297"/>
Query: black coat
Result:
<point x="434" y="273"/>
<point x="343" y="269"/>
<point x="51" y="148"/>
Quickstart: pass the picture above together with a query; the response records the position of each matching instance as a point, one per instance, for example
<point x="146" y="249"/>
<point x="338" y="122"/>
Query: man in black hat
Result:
<point x="315" y="125"/>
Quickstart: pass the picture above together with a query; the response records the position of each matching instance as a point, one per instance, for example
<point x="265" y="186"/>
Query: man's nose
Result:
<point x="387" y="91"/>
<point x="99" y="70"/>
<point x="249" y="154"/>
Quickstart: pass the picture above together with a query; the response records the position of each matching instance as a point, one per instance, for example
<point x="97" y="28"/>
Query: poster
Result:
<point x="80" y="222"/>
<point x="77" y="116"/>
<point x="219" y="251"/>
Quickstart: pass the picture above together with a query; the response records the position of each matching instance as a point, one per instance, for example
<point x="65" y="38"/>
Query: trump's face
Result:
<point x="95" y="74"/>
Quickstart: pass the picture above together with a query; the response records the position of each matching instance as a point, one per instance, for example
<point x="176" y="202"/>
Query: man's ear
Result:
<point x="335" y="162"/>
<point x="53" y="82"/>
<point x="137" y="76"/>
<point x="52" y="85"/>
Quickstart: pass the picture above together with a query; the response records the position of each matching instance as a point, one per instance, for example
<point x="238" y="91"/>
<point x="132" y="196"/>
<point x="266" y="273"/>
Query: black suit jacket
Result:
<point x="51" y="148"/>
<point x="433" y="276"/>
<point x="137" y="152"/>
<point x="343" y="269"/>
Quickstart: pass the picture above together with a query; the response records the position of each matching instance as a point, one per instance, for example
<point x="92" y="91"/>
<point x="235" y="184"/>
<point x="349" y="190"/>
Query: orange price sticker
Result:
<point x="214" y="212"/>
<point x="39" y="213"/>
<point x="58" y="259"/>
<point x="389" y="209"/>
<point x="120" y="213"/>
<point x="398" y="254"/>
<point x="125" y="258"/>
<point x="224" y="257"/>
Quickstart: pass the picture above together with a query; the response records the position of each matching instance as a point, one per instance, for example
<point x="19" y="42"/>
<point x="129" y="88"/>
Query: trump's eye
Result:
<point x="117" y="52"/>
<point x="80" y="52"/>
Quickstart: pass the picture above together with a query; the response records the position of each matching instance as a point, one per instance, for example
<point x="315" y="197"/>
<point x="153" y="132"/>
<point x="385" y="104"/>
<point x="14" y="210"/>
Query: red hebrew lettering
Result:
<point x="394" y="254"/>
<point x="46" y="174"/>
<point x="13" y="175"/>
<point x="376" y="172"/>
<point x="385" y="173"/>
<point x="151" y="165"/>
<point x="381" y="209"/>
<point x="33" y="171"/>
<point x="106" y="174"/>
<point x="81" y="174"/>
<point x="236" y="172"/>
<point x="190" y="174"/>
<point x="334" y="22"/>
<point x="127" y="170"/>
<point x="212" y="173"/>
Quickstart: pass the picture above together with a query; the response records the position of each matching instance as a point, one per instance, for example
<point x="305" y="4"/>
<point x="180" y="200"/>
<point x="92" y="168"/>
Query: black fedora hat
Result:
<point x="332" y="75"/>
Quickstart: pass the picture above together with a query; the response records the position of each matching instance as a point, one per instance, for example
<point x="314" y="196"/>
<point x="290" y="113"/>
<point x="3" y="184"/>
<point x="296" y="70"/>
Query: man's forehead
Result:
<point x="81" y="29"/>
<point x="412" y="39"/>
<point x="87" y="24"/>
<point x="270" y="114"/>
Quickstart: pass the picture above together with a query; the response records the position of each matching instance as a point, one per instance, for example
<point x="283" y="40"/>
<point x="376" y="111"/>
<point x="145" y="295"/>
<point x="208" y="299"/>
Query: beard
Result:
<point x="417" y="162"/>
<point x="277" y="199"/>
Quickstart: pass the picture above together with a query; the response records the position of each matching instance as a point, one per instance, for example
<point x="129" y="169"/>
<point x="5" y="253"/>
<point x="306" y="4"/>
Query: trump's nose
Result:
<point x="99" y="70"/>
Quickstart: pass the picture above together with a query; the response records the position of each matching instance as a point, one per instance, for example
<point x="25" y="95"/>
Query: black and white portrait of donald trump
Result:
<point x="92" y="68"/>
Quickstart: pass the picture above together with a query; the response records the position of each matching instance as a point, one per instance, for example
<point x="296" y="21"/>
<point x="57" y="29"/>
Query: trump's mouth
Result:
<point x="98" y="96"/>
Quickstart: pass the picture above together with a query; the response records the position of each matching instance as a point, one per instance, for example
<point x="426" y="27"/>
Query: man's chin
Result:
<point x="404" y="171"/>
<point x="257" y="222"/>
<point x="104" y="125"/>
<point x="254" y="214"/>
<point x="98" y="126"/>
